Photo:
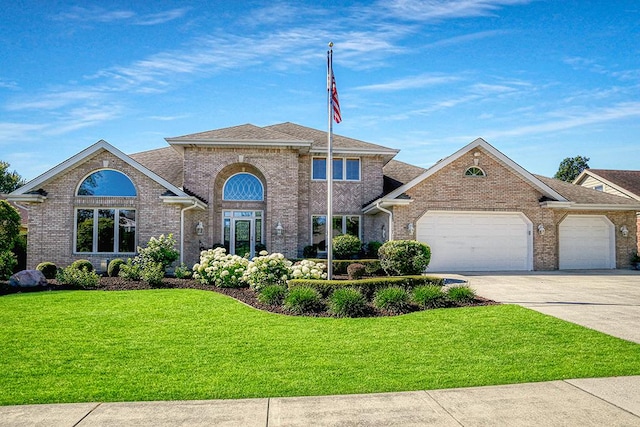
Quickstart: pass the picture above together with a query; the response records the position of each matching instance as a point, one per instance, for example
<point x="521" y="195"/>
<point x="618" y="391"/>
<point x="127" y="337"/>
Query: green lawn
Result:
<point x="80" y="346"/>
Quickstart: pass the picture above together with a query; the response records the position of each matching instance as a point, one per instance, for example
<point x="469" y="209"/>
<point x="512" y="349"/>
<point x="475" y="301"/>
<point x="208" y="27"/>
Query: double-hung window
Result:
<point x="344" y="169"/>
<point x="342" y="224"/>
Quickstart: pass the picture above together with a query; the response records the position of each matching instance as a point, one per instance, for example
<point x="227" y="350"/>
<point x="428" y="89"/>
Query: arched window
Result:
<point x="107" y="183"/>
<point x="474" y="171"/>
<point x="243" y="186"/>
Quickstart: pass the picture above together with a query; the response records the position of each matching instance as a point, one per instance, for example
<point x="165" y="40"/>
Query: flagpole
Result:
<point x="329" y="220"/>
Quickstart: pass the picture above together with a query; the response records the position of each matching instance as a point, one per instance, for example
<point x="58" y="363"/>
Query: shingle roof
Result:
<point x="319" y="138"/>
<point x="583" y="195"/>
<point x="246" y="132"/>
<point x="166" y="162"/>
<point x="401" y="171"/>
<point x="626" y="179"/>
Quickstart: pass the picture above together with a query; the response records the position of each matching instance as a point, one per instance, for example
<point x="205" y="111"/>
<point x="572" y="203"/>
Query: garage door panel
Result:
<point x="462" y="241"/>
<point x="586" y="242"/>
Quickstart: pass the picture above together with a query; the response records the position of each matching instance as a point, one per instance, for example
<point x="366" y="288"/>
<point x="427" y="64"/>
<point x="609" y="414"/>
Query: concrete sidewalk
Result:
<point x="579" y="402"/>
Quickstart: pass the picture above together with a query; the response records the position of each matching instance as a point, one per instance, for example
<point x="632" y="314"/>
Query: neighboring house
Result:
<point x="249" y="187"/>
<point x="619" y="182"/>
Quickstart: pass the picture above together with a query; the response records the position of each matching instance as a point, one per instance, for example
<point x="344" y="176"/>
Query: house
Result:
<point x="623" y="183"/>
<point x="248" y="187"/>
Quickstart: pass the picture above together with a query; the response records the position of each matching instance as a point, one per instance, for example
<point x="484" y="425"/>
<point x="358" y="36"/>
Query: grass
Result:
<point x="174" y="344"/>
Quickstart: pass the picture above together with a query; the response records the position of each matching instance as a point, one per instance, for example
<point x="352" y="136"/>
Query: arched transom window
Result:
<point x="243" y="186"/>
<point x="474" y="171"/>
<point x="107" y="183"/>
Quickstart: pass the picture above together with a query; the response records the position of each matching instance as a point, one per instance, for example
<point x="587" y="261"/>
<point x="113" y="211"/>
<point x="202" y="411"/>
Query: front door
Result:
<point x="242" y="231"/>
<point x="243" y="237"/>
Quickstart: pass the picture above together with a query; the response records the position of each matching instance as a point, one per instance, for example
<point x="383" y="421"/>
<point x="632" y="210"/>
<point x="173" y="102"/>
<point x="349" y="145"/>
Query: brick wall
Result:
<point x="51" y="223"/>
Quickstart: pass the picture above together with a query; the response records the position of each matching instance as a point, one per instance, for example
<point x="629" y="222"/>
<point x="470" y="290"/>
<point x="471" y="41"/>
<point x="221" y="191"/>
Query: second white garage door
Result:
<point x="587" y="242"/>
<point x="477" y="241"/>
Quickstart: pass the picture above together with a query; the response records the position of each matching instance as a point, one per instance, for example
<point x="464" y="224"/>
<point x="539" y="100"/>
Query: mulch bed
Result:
<point x="245" y="295"/>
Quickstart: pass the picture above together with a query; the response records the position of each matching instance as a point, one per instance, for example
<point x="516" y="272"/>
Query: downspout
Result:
<point x="388" y="212"/>
<point x="182" y="237"/>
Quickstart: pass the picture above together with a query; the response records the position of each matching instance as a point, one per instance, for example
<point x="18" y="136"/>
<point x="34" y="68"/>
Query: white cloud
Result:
<point x="101" y="15"/>
<point x="414" y="82"/>
<point x="434" y="10"/>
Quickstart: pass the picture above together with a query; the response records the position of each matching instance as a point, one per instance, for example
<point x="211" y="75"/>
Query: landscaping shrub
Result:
<point x="404" y="257"/>
<point x="266" y="270"/>
<point x="273" y="294"/>
<point x="368" y="286"/>
<point x="130" y="270"/>
<point x="48" y="269"/>
<point x="429" y="296"/>
<point x="302" y="299"/>
<point x="218" y="268"/>
<point x="308" y="269"/>
<point x="8" y="261"/>
<point x="346" y="246"/>
<point x="161" y="250"/>
<point x="393" y="299"/>
<point x="356" y="271"/>
<point x="182" y="272"/>
<point x="310" y="251"/>
<point x="153" y="273"/>
<point x="347" y="302"/>
<point x="78" y="277"/>
<point x="373" y="267"/>
<point x="82" y="264"/>
<point x="371" y="249"/>
<point x="461" y="294"/>
<point x="113" y="269"/>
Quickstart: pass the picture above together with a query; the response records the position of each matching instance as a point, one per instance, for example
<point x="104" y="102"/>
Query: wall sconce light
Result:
<point x="279" y="229"/>
<point x="624" y="230"/>
<point x="410" y="227"/>
<point x="384" y="232"/>
<point x="541" y="229"/>
<point x="199" y="228"/>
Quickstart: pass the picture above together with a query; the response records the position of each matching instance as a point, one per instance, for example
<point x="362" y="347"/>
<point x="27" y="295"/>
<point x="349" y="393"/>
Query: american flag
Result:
<point x="334" y="99"/>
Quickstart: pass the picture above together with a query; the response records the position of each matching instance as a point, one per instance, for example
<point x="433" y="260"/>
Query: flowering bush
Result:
<point x="267" y="270"/>
<point x="307" y="269"/>
<point x="160" y="250"/>
<point x="218" y="268"/>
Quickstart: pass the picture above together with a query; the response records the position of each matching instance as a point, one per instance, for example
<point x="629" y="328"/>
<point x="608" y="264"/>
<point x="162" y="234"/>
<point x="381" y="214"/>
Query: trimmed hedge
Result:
<point x="340" y="266"/>
<point x="368" y="287"/>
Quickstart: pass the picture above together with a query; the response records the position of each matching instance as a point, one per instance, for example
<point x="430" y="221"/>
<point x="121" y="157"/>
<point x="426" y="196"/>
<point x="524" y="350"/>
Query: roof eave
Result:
<point x="194" y="201"/>
<point x="31" y="198"/>
<point x="385" y="203"/>
<point x="573" y="206"/>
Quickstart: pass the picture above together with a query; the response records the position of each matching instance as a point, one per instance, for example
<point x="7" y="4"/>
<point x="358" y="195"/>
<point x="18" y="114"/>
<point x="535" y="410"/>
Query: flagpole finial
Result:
<point x="330" y="44"/>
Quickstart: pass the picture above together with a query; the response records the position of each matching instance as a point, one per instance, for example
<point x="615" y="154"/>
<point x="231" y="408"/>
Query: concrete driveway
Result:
<point x="604" y="300"/>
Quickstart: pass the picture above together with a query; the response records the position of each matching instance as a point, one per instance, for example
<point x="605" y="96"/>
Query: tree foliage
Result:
<point x="9" y="181"/>
<point x="571" y="167"/>
<point x="9" y="225"/>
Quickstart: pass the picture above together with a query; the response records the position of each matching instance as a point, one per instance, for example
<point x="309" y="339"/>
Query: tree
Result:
<point x="9" y="181"/>
<point x="571" y="167"/>
<point x="9" y="231"/>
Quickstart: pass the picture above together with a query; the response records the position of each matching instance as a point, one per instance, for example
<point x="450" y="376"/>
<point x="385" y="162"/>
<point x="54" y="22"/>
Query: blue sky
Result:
<point x="539" y="80"/>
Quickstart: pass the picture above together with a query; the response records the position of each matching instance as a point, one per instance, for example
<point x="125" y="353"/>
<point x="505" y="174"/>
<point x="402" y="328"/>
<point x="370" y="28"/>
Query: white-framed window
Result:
<point x="106" y="182"/>
<point x="599" y="187"/>
<point x="474" y="171"/>
<point x="105" y="230"/>
<point x="344" y="169"/>
<point x="342" y="224"/>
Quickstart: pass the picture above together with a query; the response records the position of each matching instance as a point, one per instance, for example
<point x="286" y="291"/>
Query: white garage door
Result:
<point x="477" y="241"/>
<point x="586" y="242"/>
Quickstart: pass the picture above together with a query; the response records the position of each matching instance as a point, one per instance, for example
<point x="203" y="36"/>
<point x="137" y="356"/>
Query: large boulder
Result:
<point x="28" y="279"/>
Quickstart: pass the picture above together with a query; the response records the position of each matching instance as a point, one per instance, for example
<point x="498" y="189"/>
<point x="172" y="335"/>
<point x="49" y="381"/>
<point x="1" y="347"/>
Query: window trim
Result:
<point x="472" y="175"/>
<point x="344" y="226"/>
<point x="116" y="231"/>
<point x="344" y="168"/>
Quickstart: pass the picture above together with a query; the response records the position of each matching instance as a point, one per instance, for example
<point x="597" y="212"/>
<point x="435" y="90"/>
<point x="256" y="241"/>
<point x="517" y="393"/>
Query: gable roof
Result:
<point x="31" y="191"/>
<point x="392" y="197"/>
<point x="625" y="181"/>
<point x="166" y="162"/>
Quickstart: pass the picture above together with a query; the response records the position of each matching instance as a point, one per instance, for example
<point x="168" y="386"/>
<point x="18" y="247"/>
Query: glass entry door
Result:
<point x="242" y="242"/>
<point x="242" y="231"/>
